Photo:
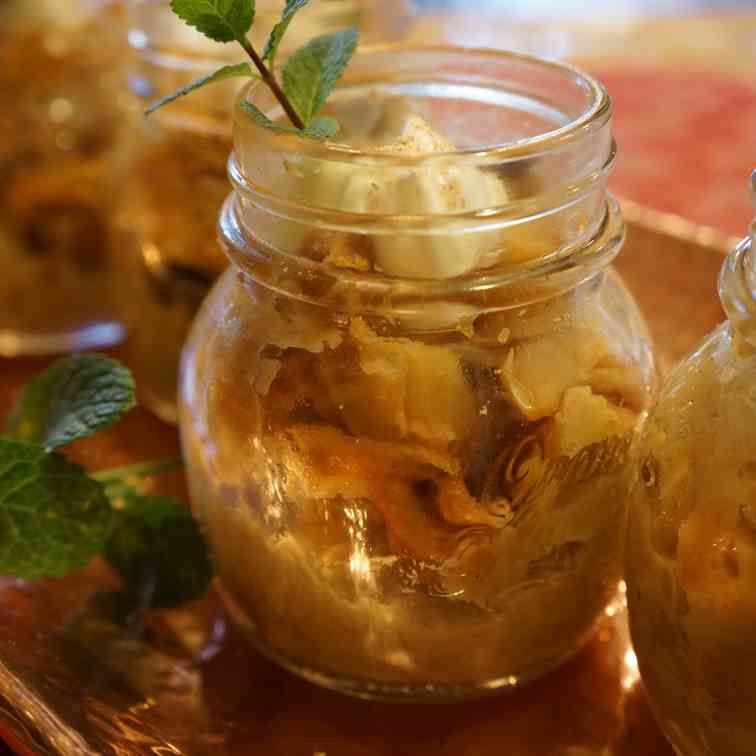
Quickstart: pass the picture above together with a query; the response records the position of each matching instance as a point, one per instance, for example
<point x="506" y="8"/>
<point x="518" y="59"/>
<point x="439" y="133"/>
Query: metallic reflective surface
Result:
<point x="584" y="709"/>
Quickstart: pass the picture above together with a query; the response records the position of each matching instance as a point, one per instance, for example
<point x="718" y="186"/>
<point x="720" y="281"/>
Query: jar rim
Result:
<point x="592" y="117"/>
<point x="557" y="173"/>
<point x="535" y="280"/>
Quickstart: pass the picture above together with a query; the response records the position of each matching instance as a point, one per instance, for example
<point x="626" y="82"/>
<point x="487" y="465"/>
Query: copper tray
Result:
<point x="75" y="681"/>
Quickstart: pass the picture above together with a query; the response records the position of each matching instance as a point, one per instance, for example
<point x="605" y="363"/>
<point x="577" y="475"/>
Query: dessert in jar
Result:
<point x="61" y="125"/>
<point x="691" y="555"/>
<point x="408" y="406"/>
<point x="177" y="186"/>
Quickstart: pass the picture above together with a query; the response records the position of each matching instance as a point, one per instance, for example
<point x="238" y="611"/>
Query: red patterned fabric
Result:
<point x="687" y="143"/>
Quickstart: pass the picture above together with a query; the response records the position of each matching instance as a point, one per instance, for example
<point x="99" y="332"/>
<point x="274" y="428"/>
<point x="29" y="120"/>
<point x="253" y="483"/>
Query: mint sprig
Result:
<point x="220" y="20"/>
<point x="308" y="77"/>
<point x="156" y="545"/>
<point x="55" y="517"/>
<point x="227" y="72"/>
<point x="274" y="41"/>
<point x="73" y="399"/>
<point x="310" y="74"/>
<point x="321" y="127"/>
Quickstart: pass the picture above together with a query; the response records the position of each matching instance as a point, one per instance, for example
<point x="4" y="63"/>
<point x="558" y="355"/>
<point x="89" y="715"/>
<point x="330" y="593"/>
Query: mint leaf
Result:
<point x="310" y="74"/>
<point x="220" y="20"/>
<point x="53" y="517"/>
<point x="321" y="128"/>
<point x="227" y="72"/>
<point x="260" y="118"/>
<point x="274" y="41"/>
<point x="74" y="398"/>
<point x="156" y="546"/>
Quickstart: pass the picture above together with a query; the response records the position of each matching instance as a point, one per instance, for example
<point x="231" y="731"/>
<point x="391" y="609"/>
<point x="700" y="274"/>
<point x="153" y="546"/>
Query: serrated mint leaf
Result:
<point x="53" y="517"/>
<point x="227" y="72"/>
<point x="74" y="398"/>
<point x="321" y="128"/>
<point x="157" y="547"/>
<point x="311" y="72"/>
<point x="260" y="118"/>
<point x="274" y="41"/>
<point x="220" y="20"/>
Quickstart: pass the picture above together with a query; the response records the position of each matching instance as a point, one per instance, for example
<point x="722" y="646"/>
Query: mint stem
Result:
<point x="270" y="80"/>
<point x="141" y="470"/>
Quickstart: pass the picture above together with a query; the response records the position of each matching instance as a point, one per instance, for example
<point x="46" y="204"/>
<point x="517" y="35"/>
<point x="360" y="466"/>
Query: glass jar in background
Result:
<point x="408" y="407"/>
<point x="691" y="559"/>
<point x="61" y="157"/>
<point x="179" y="182"/>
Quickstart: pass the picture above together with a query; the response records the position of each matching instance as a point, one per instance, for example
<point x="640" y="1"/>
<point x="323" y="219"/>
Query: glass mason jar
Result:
<point x="175" y="191"/>
<point x="61" y="125"/>
<point x="691" y="559"/>
<point x="408" y="406"/>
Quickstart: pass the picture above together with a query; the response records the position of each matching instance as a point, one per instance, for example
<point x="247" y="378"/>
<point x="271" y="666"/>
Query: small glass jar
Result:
<point x="178" y="183"/>
<point x="691" y="558"/>
<point x="61" y="157"/>
<point x="408" y="406"/>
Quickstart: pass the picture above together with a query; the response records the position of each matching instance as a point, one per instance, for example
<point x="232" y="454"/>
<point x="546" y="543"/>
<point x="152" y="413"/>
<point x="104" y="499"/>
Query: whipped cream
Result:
<point x="436" y="187"/>
<point x="439" y="187"/>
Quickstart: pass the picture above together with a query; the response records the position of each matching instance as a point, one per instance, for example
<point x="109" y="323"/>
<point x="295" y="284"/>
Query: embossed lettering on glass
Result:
<point x="408" y="407"/>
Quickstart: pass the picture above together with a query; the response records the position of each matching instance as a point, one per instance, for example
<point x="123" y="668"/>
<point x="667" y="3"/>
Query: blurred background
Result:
<point x="98" y="203"/>
<point x="681" y="73"/>
<point x="531" y="8"/>
<point x="117" y="214"/>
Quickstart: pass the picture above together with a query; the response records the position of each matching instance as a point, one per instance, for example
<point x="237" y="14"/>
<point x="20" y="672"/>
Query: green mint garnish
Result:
<point x="308" y="77"/>
<point x="220" y="20"/>
<point x="274" y="41"/>
<point x="227" y="72"/>
<point x="321" y="127"/>
<point x="156" y="545"/>
<point x="310" y="74"/>
<point x="73" y="399"/>
<point x="53" y="517"/>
